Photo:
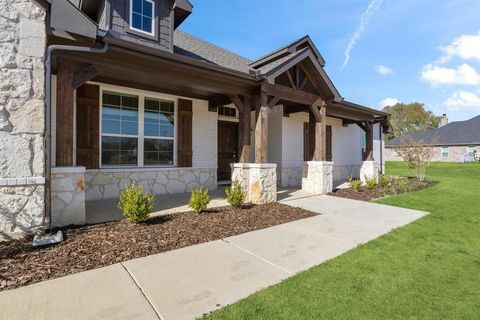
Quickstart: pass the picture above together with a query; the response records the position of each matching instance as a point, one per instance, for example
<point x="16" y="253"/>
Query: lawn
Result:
<point x="429" y="269"/>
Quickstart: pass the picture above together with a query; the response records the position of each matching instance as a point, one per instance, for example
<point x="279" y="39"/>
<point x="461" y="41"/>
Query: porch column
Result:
<point x="369" y="168"/>
<point x="369" y="140"/>
<point x="318" y="173"/>
<point x="244" y="114"/>
<point x="64" y="113"/>
<point x="261" y="129"/>
<point x="260" y="178"/>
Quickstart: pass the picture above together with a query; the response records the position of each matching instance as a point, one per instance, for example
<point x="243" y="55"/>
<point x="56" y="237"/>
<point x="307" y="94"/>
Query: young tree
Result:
<point x="410" y="118"/>
<point x="417" y="153"/>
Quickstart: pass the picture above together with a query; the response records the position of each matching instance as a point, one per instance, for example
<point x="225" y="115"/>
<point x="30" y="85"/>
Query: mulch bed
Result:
<point x="91" y="247"/>
<point x="368" y="195"/>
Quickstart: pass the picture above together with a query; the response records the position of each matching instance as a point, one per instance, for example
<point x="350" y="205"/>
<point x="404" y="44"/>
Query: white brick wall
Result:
<point x="205" y="131"/>
<point x="292" y="139"/>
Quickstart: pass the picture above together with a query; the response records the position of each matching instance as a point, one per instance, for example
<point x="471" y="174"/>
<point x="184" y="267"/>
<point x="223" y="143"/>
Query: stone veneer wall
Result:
<point x="22" y="93"/>
<point x="290" y="176"/>
<point x="259" y="181"/>
<point x="317" y="177"/>
<point x="342" y="173"/>
<point x="68" y="196"/>
<point x="108" y="183"/>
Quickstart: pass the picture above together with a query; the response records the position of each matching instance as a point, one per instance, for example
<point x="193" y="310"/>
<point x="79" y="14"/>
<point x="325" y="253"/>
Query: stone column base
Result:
<point x="68" y="196"/>
<point x="369" y="170"/>
<point x="260" y="181"/>
<point x="317" y="177"/>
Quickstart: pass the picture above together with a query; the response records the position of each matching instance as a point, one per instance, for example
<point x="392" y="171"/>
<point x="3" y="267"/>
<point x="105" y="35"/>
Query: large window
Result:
<point x="142" y="13"/>
<point x="137" y="130"/>
<point x="471" y="151"/>
<point x="159" y="132"/>
<point x="444" y="151"/>
<point x="119" y="129"/>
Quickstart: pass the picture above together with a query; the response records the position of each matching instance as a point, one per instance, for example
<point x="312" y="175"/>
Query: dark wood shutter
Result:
<point x="88" y="126"/>
<point x="306" y="144"/>
<point x="329" y="143"/>
<point x="185" y="133"/>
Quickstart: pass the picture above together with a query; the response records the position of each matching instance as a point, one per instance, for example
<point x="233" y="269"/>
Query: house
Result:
<point x="453" y="142"/>
<point x="96" y="94"/>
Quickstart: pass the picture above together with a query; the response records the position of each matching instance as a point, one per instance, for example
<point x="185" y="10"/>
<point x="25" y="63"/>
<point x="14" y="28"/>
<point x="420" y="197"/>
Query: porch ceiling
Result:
<point x="133" y="69"/>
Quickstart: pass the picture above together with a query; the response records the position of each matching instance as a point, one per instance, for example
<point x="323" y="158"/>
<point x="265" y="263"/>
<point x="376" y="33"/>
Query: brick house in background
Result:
<point x="97" y="93"/>
<point x="454" y="142"/>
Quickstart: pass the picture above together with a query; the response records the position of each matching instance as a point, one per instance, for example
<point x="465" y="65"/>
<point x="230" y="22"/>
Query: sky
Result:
<point x="377" y="52"/>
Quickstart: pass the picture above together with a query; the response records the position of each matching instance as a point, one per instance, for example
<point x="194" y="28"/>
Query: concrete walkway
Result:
<point x="190" y="282"/>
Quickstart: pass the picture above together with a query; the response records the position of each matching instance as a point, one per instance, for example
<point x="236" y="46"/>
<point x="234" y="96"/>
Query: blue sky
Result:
<point x="406" y="50"/>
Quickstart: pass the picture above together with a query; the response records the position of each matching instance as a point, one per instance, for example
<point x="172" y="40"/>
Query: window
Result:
<point x="444" y="151"/>
<point x="471" y="151"/>
<point x="159" y="132"/>
<point x="129" y="140"/>
<point x="142" y="13"/>
<point x="119" y="129"/>
<point x="227" y="112"/>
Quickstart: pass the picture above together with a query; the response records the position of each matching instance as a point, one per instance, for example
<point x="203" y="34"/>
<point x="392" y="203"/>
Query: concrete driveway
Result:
<point x="193" y="281"/>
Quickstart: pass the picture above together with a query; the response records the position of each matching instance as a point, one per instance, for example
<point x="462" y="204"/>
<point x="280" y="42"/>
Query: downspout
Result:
<point x="48" y="115"/>
<point x="381" y="148"/>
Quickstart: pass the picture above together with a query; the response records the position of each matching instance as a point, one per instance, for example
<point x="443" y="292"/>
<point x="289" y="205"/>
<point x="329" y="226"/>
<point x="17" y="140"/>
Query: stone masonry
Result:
<point x="68" y="196"/>
<point x="318" y="177"/>
<point x="259" y="180"/>
<point x="22" y="94"/>
<point x="108" y="183"/>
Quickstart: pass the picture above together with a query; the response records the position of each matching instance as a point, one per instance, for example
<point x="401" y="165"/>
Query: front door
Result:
<point x="227" y="148"/>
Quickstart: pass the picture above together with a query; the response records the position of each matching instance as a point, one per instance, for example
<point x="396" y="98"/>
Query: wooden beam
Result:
<point x="304" y="83"/>
<point x="297" y="77"/>
<point x="218" y="101"/>
<point x="290" y="79"/>
<point x="237" y="102"/>
<point x="369" y="142"/>
<point x="85" y="75"/>
<point x="64" y="112"/>
<point x="320" y="153"/>
<point x="309" y="75"/>
<point x="273" y="102"/>
<point x="261" y="130"/>
<point x="245" y="130"/>
<point x="314" y="107"/>
<point x="289" y="94"/>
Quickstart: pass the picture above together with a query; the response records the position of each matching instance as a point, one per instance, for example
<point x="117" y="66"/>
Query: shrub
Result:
<point x="390" y="191"/>
<point x="199" y="200"/>
<point x="371" y="183"/>
<point x="383" y="181"/>
<point x="135" y="204"/>
<point x="235" y="194"/>
<point x="355" y="184"/>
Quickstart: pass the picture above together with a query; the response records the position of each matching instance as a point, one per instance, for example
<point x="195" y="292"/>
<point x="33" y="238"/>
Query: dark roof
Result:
<point x="456" y="133"/>
<point x="190" y="46"/>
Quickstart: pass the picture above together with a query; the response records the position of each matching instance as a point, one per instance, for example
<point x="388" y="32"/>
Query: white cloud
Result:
<point x="462" y="75"/>
<point x="465" y="47"/>
<point x="388" y="102"/>
<point x="462" y="99"/>
<point x="383" y="70"/>
<point x="364" y="20"/>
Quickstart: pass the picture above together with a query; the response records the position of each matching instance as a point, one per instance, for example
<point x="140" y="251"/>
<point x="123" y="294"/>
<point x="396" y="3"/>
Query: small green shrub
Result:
<point x="354" y="184"/>
<point x="199" y="200"/>
<point x="371" y="183"/>
<point x="135" y="204"/>
<point x="383" y="181"/>
<point x="390" y="191"/>
<point x="235" y="194"/>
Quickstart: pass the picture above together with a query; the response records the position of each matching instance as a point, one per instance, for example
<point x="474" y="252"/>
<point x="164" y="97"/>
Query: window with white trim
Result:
<point x="471" y="151"/>
<point x="142" y="13"/>
<point x="137" y="130"/>
<point x="159" y="127"/>
<point x="119" y="129"/>
<point x="444" y="151"/>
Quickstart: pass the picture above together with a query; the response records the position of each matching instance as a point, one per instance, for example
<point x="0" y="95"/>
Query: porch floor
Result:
<point x="106" y="210"/>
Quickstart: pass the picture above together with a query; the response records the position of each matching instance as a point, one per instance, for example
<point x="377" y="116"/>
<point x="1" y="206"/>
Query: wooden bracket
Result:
<point x="85" y="75"/>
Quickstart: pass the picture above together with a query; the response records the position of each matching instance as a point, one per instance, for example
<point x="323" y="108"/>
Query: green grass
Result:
<point x="429" y="269"/>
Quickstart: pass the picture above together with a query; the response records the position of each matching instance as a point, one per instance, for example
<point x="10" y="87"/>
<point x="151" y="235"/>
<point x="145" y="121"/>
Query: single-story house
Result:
<point x="98" y="93"/>
<point x="457" y="141"/>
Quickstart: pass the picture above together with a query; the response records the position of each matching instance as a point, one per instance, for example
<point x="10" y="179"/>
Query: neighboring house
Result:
<point x="456" y="141"/>
<point x="130" y="97"/>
